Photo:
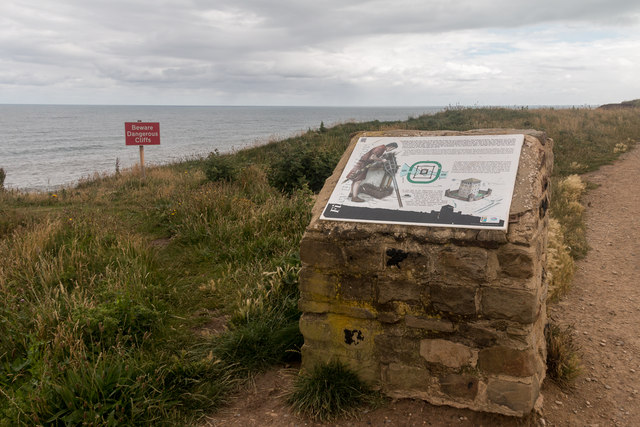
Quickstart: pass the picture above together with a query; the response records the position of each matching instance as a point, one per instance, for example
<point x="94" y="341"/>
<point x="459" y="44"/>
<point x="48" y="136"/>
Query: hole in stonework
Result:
<point x="470" y="385"/>
<point x="396" y="256"/>
<point x="544" y="205"/>
<point x="353" y="336"/>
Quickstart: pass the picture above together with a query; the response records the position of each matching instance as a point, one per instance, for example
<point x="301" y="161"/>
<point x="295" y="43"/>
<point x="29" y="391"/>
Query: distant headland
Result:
<point x="624" y="104"/>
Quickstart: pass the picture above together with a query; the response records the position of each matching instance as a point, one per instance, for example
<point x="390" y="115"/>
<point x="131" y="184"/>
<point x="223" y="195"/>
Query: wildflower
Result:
<point x="54" y="196"/>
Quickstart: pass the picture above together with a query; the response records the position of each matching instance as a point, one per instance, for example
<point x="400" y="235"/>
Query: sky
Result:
<point x="320" y="52"/>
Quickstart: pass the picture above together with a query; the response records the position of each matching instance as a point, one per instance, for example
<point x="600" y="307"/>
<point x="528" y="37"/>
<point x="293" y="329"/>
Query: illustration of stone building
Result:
<point x="469" y="187"/>
<point x="469" y="190"/>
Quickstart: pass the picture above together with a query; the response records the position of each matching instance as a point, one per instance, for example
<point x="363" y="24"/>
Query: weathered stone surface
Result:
<point x="339" y="330"/>
<point x="398" y="290"/>
<point x="517" y="261"/>
<point x="493" y="237"/>
<point x="315" y="327"/>
<point x="310" y="306"/>
<point x="460" y="385"/>
<point x="316" y="285"/>
<point x="466" y="263"/>
<point x="508" y="361"/>
<point x="356" y="311"/>
<point x="448" y="353"/>
<point x="524" y="228"/>
<point x="363" y="257"/>
<point x="440" y="325"/>
<point x="320" y="253"/>
<point x="517" y="396"/>
<point x="481" y="333"/>
<point x="512" y="304"/>
<point x="412" y="258"/>
<point x="403" y="377"/>
<point x="454" y="299"/>
<point x="355" y="287"/>
<point x="389" y="317"/>
<point x="392" y="348"/>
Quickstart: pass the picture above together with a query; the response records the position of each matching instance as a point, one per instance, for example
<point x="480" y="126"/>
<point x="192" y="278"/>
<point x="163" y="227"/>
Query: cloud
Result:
<point x="333" y="52"/>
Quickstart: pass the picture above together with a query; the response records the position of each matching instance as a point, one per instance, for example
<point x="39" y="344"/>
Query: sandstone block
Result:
<point x="398" y="349"/>
<point x="389" y="317"/>
<point x="492" y="238"/>
<point x="398" y="290"/>
<point x="439" y="325"/>
<point x="508" y="361"/>
<point x="516" y="396"/>
<point x="355" y="311"/>
<point x="454" y="299"/>
<point x="315" y="327"/>
<point x="512" y="304"/>
<point x="356" y="288"/>
<point x="480" y="332"/>
<point x="463" y="386"/>
<point x="525" y="229"/>
<point x="469" y="264"/>
<point x="517" y="261"/>
<point x="317" y="286"/>
<point x="448" y="353"/>
<point x="403" y="377"/>
<point x="320" y="253"/>
<point x="413" y="258"/>
<point x="364" y="257"/>
<point x="306" y="305"/>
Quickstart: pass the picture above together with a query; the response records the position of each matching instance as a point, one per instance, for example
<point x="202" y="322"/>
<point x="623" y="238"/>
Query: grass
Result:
<point x="104" y="285"/>
<point x="563" y="362"/>
<point x="330" y="391"/>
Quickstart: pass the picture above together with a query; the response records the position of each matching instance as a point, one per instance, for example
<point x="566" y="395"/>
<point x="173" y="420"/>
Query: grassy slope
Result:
<point x="107" y="287"/>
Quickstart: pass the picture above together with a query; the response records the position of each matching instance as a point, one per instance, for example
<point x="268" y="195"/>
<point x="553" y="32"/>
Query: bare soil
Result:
<point x="603" y="307"/>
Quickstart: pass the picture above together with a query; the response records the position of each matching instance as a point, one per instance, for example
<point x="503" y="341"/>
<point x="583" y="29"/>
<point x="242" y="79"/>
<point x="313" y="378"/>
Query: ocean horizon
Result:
<point x="44" y="147"/>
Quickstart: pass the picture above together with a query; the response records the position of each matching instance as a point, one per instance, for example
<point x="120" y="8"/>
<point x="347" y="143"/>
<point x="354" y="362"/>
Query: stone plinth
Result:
<point x="459" y="320"/>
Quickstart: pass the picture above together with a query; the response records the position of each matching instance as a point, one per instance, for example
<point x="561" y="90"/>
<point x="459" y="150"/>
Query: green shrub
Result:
<point x="300" y="167"/>
<point x="3" y="175"/>
<point x="328" y="392"/>
<point x="221" y="167"/>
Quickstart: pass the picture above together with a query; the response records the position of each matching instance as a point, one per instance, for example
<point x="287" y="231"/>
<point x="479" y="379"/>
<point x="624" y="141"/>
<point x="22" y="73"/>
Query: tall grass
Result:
<point x="104" y="285"/>
<point x="98" y="325"/>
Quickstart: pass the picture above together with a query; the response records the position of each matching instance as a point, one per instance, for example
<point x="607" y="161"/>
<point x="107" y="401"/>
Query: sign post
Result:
<point x="141" y="134"/>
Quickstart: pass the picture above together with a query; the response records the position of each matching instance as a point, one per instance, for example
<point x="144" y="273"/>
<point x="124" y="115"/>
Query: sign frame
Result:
<point x="459" y="181"/>
<point x="142" y="133"/>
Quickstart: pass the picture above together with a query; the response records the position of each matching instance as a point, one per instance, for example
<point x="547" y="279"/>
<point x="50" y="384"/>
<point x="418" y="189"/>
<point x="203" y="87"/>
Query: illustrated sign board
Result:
<point x="463" y="181"/>
<point x="139" y="133"/>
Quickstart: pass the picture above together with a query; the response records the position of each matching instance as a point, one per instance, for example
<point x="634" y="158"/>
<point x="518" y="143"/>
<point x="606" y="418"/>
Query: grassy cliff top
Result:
<point x="129" y="301"/>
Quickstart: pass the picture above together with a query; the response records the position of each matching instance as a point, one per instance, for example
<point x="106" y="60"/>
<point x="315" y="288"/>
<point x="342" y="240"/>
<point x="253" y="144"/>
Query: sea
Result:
<point x="47" y="147"/>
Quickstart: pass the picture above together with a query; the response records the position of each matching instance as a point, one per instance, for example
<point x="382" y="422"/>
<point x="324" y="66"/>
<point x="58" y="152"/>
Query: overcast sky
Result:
<point x="315" y="52"/>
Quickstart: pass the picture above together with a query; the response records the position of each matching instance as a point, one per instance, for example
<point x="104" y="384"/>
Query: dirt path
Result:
<point x="603" y="307"/>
